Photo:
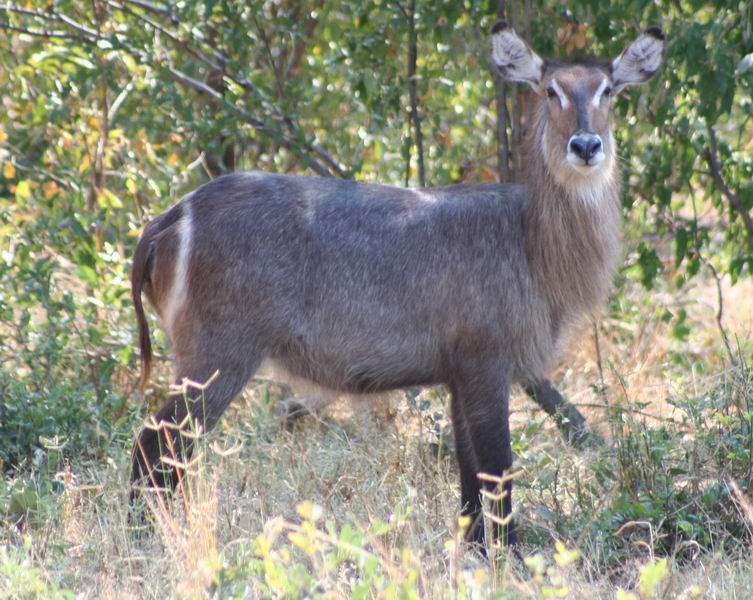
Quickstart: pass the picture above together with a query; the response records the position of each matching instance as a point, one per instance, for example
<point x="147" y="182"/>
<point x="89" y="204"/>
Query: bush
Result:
<point x="665" y="483"/>
<point x="61" y="354"/>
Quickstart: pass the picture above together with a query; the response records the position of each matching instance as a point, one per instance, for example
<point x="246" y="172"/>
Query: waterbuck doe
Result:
<point x="365" y="288"/>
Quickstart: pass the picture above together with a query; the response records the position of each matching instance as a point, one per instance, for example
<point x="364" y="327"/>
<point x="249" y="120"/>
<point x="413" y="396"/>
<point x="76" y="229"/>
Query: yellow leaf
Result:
<point x="536" y="564"/>
<point x="564" y="556"/>
<point x="3" y="135"/>
<point x="172" y="160"/>
<point x="109" y="200"/>
<point x="93" y="122"/>
<point x="652" y="574"/>
<point x="51" y="190"/>
<point x="23" y="191"/>
<point x="9" y="170"/>
<point x="302" y="541"/>
<point x="84" y="164"/>
<point x="406" y="557"/>
<point x="309" y="511"/>
<point x="555" y="592"/>
<point x="262" y="546"/>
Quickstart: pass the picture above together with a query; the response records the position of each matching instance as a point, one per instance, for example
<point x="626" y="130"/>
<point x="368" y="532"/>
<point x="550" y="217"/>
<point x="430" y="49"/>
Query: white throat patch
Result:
<point x="589" y="185"/>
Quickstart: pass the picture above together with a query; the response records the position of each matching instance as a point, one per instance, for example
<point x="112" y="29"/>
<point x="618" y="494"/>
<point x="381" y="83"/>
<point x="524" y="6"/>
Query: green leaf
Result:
<point x="82" y="62"/>
<point x="649" y="263"/>
<point x="23" y="191"/>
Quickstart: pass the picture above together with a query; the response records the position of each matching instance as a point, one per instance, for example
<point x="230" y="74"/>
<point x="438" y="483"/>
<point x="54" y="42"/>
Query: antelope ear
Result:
<point x="514" y="59"/>
<point x="639" y="61"/>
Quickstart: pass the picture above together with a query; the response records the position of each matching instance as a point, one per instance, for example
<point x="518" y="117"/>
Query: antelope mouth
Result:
<point x="586" y="167"/>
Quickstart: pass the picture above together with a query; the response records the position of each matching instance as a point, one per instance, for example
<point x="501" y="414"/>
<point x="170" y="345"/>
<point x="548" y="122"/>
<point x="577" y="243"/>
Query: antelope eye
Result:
<point x="607" y="91"/>
<point x="551" y="93"/>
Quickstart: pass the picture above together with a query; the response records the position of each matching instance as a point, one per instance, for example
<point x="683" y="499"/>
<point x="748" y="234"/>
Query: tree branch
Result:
<point x="401" y="8"/>
<point x="325" y="165"/>
<point x="27" y="12"/>
<point x="339" y="170"/>
<point x="296" y="56"/>
<point x="720" y="307"/>
<point x="270" y="57"/>
<point x="712" y="157"/>
<point x="413" y="92"/>
<point x="259" y="125"/>
<point x="77" y="26"/>
<point x="49" y="16"/>
<point x="183" y="45"/>
<point x="58" y="35"/>
<point x="121" y="97"/>
<point x="516" y="117"/>
<point x="333" y="165"/>
<point x="500" y="96"/>
<point x="154" y="9"/>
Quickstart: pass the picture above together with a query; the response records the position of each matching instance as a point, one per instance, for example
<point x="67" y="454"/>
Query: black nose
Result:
<point x="585" y="145"/>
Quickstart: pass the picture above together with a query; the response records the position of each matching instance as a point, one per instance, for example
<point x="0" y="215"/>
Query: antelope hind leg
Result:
<point x="571" y="423"/>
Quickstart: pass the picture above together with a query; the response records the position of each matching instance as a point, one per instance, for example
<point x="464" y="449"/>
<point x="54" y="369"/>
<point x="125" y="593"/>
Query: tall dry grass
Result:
<point x="348" y="503"/>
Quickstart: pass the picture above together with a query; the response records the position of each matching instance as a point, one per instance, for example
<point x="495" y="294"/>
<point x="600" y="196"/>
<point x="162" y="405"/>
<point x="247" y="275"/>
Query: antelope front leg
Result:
<point x="480" y="402"/>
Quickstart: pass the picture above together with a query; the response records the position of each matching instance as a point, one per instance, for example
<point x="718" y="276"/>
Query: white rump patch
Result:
<point x="179" y="288"/>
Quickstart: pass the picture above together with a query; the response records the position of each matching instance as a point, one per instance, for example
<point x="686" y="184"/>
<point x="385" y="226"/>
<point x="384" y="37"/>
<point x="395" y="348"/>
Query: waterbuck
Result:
<point x="365" y="288"/>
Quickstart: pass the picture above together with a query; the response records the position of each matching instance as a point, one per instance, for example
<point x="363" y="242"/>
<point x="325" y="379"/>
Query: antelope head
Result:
<point x="572" y="121"/>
